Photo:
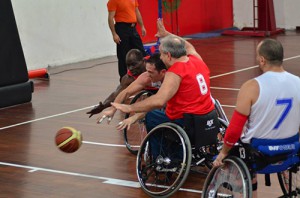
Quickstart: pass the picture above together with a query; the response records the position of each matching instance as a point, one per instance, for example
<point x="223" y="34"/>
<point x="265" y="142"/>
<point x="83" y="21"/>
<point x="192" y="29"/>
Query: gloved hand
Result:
<point x="96" y="109"/>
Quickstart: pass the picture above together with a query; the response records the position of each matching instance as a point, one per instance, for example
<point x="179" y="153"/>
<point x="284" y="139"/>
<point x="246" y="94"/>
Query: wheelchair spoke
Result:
<point x="230" y="180"/>
<point x="162" y="163"/>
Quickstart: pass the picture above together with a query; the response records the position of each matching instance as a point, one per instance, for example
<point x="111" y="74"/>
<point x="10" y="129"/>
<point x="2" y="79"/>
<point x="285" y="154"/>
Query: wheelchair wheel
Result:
<point x="290" y="179"/>
<point x="164" y="160"/>
<point x="229" y="180"/>
<point x="220" y="111"/>
<point x="210" y="152"/>
<point x="137" y="132"/>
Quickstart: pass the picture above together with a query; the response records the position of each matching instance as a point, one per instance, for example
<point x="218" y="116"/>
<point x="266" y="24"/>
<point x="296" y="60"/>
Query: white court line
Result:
<point x="248" y="68"/>
<point x="104" y="144"/>
<point x="230" y="106"/>
<point x="52" y="116"/>
<point x="223" y="88"/>
<point x="107" y="180"/>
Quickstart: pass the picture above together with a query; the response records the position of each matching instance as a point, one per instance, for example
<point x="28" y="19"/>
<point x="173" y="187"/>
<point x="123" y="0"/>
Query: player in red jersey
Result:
<point x="185" y="89"/>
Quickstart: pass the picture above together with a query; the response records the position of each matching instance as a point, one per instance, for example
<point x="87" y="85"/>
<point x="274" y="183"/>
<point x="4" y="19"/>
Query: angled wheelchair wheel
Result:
<point x="289" y="182"/>
<point x="163" y="161"/>
<point x="229" y="180"/>
<point x="134" y="137"/>
<point x="220" y="111"/>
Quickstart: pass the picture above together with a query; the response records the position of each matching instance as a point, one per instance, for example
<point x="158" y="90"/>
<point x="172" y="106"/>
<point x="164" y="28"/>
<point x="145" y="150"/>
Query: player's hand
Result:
<point x="144" y="32"/>
<point x="97" y="109"/>
<point x="107" y="114"/>
<point x="126" y="123"/>
<point x="116" y="38"/>
<point x="122" y="107"/>
<point x="219" y="160"/>
<point x="161" y="30"/>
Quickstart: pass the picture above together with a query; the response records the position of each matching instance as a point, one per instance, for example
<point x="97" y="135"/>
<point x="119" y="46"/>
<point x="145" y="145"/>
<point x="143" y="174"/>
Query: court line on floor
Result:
<point x="248" y="68"/>
<point x="56" y="115"/>
<point x="107" y="180"/>
<point x="224" y="88"/>
<point x="103" y="144"/>
<point x="44" y="118"/>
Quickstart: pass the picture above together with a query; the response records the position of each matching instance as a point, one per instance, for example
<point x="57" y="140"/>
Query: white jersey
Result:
<point x="276" y="113"/>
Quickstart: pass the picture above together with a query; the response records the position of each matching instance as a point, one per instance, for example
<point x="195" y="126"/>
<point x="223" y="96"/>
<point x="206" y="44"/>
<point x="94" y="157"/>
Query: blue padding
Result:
<point x="257" y="142"/>
<point x="272" y="150"/>
<point x="280" y="166"/>
<point x="289" y="146"/>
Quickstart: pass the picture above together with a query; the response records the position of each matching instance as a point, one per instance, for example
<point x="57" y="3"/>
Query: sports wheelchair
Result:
<point x="234" y="177"/>
<point x="137" y="132"/>
<point x="166" y="155"/>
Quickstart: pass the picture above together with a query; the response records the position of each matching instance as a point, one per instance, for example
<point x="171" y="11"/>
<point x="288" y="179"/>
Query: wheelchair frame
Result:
<point x="254" y="161"/>
<point x="162" y="171"/>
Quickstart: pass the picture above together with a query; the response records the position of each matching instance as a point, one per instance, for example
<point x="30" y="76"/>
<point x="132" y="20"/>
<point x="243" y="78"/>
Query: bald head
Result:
<point x="271" y="50"/>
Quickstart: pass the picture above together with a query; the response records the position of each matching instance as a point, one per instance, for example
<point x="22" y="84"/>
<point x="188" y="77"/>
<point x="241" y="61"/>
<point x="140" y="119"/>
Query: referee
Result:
<point x="122" y="18"/>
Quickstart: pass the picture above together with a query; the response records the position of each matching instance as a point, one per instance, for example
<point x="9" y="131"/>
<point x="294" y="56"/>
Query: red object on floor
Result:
<point x="38" y="73"/>
<point x="264" y="23"/>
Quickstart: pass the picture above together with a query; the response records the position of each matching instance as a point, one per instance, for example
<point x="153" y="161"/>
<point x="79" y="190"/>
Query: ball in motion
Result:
<point x="68" y="139"/>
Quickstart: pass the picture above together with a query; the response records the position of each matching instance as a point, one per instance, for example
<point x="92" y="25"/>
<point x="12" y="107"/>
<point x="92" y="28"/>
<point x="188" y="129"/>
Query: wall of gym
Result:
<point x="286" y="13"/>
<point x="56" y="32"/>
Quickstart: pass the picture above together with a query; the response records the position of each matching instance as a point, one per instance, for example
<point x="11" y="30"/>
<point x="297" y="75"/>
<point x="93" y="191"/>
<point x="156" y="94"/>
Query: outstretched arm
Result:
<point x="162" y="32"/>
<point x="138" y="85"/>
<point x="129" y="121"/>
<point x="166" y="91"/>
<point x="125" y="82"/>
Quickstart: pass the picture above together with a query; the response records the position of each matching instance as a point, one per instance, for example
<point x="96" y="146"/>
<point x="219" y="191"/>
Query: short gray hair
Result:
<point x="174" y="45"/>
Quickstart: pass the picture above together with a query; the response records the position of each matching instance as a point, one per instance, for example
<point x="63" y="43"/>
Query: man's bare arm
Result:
<point x="111" y="25"/>
<point x="138" y="85"/>
<point x="140" y="21"/>
<point x="166" y="91"/>
<point x="125" y="82"/>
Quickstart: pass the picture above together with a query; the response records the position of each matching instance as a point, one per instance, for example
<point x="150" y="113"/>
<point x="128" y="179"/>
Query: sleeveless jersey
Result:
<point x="276" y="113"/>
<point x="193" y="95"/>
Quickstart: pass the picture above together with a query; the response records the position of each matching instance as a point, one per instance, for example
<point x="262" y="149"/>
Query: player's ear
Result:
<point x="262" y="60"/>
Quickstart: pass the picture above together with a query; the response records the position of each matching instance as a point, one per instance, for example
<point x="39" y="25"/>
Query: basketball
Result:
<point x="68" y="139"/>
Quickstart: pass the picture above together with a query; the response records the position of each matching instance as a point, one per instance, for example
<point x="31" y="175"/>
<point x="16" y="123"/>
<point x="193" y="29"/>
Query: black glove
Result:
<point x="96" y="109"/>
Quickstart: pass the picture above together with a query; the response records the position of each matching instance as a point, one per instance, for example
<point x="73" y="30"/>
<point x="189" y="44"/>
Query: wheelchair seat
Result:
<point x="261" y="156"/>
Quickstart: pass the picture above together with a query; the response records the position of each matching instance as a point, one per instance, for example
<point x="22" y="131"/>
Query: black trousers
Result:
<point x="130" y="39"/>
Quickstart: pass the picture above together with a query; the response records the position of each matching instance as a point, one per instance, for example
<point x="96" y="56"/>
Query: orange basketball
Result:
<point x="68" y="139"/>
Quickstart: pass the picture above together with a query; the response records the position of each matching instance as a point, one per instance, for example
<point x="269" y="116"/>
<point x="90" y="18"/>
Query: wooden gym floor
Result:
<point x="31" y="165"/>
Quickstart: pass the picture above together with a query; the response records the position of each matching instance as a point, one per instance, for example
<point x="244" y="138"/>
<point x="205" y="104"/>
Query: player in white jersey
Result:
<point x="270" y="103"/>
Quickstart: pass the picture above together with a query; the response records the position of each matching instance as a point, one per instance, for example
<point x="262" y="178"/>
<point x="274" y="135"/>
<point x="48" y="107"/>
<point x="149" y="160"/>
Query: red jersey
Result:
<point x="193" y="95"/>
<point x="125" y="10"/>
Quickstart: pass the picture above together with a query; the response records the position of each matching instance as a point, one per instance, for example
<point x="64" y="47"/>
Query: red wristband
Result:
<point x="235" y="128"/>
